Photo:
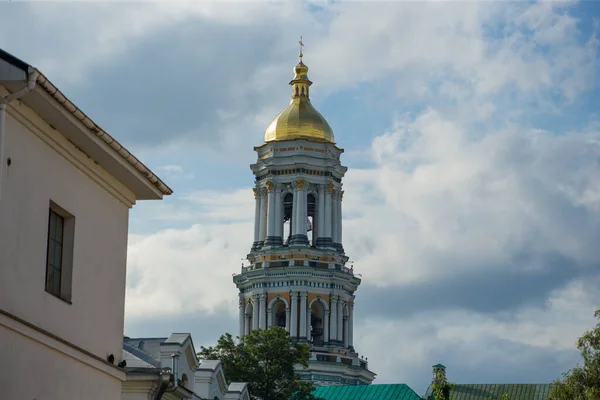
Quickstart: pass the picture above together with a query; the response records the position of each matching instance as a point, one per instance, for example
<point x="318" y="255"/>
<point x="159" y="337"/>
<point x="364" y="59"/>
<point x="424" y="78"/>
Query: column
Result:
<point x="346" y="332"/>
<point x="308" y="324"/>
<point x="333" y="324"/>
<point x="326" y="328"/>
<point x="321" y="216"/>
<point x="300" y="214"/>
<point x="287" y="319"/>
<point x="262" y="313"/>
<point x="247" y="323"/>
<point x="340" y="321"/>
<point x="339" y="221"/>
<point x="255" y="312"/>
<point x="334" y="214"/>
<point x="242" y="326"/>
<point x="294" y="221"/>
<point x="269" y="318"/>
<point x="294" y="318"/>
<point x="327" y="223"/>
<point x="303" y="297"/>
<point x="278" y="217"/>
<point x="270" y="214"/>
<point x="256" y="219"/>
<point x="263" y="218"/>
<point x="351" y="325"/>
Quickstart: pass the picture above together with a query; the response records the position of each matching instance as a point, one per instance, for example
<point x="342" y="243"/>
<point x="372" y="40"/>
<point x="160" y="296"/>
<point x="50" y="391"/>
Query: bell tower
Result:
<point x="297" y="277"/>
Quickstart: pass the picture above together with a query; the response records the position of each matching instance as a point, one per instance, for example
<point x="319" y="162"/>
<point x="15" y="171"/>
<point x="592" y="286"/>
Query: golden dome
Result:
<point x="299" y="120"/>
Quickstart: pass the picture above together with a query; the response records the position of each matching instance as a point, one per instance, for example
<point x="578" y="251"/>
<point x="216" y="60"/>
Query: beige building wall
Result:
<point x="46" y="167"/>
<point x="42" y="369"/>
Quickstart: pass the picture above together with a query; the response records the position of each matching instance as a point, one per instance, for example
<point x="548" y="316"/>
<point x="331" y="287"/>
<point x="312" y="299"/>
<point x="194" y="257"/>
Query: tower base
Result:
<point x="338" y="369"/>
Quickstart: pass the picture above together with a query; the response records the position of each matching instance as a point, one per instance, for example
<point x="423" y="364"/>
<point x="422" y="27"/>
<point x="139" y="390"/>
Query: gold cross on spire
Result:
<point x="301" y="46"/>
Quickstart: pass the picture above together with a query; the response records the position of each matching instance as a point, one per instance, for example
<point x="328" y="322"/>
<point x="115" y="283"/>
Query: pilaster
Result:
<point x="242" y="306"/>
<point x="340" y="321"/>
<point x="294" y="319"/>
<point x="262" y="308"/>
<point x="288" y="320"/>
<point x="333" y="319"/>
<point x="326" y="328"/>
<point x="255" y="312"/>
<point x="351" y="325"/>
<point x="303" y="299"/>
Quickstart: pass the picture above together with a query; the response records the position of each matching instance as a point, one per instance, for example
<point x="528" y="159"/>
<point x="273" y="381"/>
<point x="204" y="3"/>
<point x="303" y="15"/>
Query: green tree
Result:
<point x="441" y="388"/>
<point x="582" y="382"/>
<point x="265" y="360"/>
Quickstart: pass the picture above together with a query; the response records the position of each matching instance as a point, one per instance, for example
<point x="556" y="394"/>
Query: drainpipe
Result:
<point x="169" y="381"/>
<point x="31" y="80"/>
<point x="175" y="364"/>
<point x="165" y="379"/>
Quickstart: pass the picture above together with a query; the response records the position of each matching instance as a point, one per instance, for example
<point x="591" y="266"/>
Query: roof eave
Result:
<point x="113" y="145"/>
<point x="152" y="187"/>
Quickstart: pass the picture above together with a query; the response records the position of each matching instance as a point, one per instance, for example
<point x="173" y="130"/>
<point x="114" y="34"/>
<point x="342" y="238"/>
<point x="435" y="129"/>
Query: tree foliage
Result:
<point x="441" y="388"/>
<point x="265" y="360"/>
<point x="582" y="382"/>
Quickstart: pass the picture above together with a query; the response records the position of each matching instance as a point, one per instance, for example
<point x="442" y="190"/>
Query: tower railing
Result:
<point x="297" y="264"/>
<point x="349" y="360"/>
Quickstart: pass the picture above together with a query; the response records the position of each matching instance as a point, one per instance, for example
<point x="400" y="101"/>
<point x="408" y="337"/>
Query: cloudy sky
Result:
<point x="472" y="137"/>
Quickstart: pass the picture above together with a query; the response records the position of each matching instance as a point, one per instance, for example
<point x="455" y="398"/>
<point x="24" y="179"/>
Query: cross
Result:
<point x="301" y="46"/>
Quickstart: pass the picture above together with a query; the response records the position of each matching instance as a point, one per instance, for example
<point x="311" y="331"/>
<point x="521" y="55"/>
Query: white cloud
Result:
<point x="181" y="271"/>
<point x="442" y="199"/>
<point x="479" y="348"/>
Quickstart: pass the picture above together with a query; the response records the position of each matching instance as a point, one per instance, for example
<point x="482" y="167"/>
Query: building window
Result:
<point x="59" y="252"/>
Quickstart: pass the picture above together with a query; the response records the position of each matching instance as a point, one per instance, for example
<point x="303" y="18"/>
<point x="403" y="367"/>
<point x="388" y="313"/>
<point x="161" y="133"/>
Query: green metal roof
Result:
<point x="366" y="392"/>
<point x="484" y="392"/>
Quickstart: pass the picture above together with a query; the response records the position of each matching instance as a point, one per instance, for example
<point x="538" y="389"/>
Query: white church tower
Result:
<point x="297" y="278"/>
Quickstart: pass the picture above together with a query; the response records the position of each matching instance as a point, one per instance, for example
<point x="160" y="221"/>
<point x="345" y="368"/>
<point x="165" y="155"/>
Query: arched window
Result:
<point x="250" y="313"/>
<point x="317" y="315"/>
<point x="184" y="380"/>
<point x="278" y="314"/>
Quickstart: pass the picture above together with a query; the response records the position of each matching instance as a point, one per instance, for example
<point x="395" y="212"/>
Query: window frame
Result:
<point x="65" y="244"/>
